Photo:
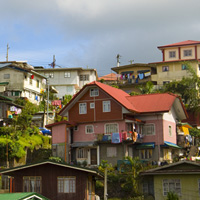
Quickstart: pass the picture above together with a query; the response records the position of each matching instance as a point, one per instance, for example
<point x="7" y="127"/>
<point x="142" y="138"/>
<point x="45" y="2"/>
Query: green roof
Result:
<point x="22" y="195"/>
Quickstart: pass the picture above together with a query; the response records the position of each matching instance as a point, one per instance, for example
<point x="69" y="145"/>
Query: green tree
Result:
<point x="187" y="88"/>
<point x="148" y="88"/>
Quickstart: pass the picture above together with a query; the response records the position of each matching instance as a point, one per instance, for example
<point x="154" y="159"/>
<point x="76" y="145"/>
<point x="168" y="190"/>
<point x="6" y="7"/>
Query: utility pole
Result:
<point x="47" y="118"/>
<point x="7" y="52"/>
<point x="105" y="183"/>
<point x="54" y="61"/>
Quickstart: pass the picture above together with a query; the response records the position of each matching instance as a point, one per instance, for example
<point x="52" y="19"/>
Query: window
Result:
<point x="148" y="129"/>
<point x="30" y="81"/>
<point x="37" y="83"/>
<point x="92" y="105"/>
<point x="166" y="82"/>
<point x="6" y="76"/>
<point x="145" y="188"/>
<point x="106" y="106"/>
<point x="171" y="185"/>
<point x="146" y="153"/>
<point x="172" y="54"/>
<point x="76" y="128"/>
<point x="94" y="92"/>
<point x="84" y="77"/>
<point x="165" y="68"/>
<point x="32" y="184"/>
<point x="170" y="131"/>
<point x="89" y="129"/>
<point x="49" y="75"/>
<point x="187" y="52"/>
<point x="66" y="184"/>
<point x="111" y="152"/>
<point x="167" y="154"/>
<point x="82" y="108"/>
<point x="111" y="128"/>
<point x="67" y="75"/>
<point x="16" y="93"/>
<point x="184" y="67"/>
<point x="81" y="153"/>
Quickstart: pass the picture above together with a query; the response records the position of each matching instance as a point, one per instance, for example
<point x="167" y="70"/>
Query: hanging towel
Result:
<point x="141" y="76"/>
<point x="116" y="138"/>
<point x="147" y="74"/>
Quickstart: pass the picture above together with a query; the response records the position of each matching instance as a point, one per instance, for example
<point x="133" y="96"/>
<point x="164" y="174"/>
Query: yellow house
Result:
<point x="174" y="59"/>
<point x="182" y="178"/>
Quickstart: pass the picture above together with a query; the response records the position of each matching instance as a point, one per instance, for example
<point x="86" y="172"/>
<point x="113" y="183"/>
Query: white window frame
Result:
<point x="81" y="153"/>
<point x="109" y="130"/>
<point x="148" y="131"/>
<point x="82" y="108"/>
<point x="84" y="77"/>
<point x="187" y="52"/>
<point x="106" y="106"/>
<point x="92" y="105"/>
<point x="94" y="92"/>
<point x="66" y="184"/>
<point x="172" y="54"/>
<point x="111" y="152"/>
<point x="89" y="129"/>
<point x="171" y="185"/>
<point x="67" y="74"/>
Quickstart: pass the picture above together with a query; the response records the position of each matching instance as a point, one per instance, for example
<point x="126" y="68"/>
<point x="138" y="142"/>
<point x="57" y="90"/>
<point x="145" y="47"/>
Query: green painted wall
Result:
<point x="189" y="186"/>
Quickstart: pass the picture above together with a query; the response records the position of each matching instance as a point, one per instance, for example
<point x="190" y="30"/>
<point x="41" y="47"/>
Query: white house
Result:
<point x="67" y="81"/>
<point x="18" y="79"/>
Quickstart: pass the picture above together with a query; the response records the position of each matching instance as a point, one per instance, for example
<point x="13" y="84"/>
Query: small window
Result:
<point x="76" y="128"/>
<point x="111" y="128"/>
<point x="92" y="105"/>
<point x="171" y="185"/>
<point x="81" y="153"/>
<point x="184" y="67"/>
<point x="66" y="184"/>
<point x="30" y="81"/>
<point x="82" y="108"/>
<point x="37" y="83"/>
<point x="67" y="75"/>
<point x="94" y="92"/>
<point x="165" y="68"/>
<point x="84" y="77"/>
<point x="172" y="54"/>
<point x="106" y="106"/>
<point x="146" y="153"/>
<point x="32" y="184"/>
<point x="111" y="152"/>
<point x="187" y="52"/>
<point x="6" y="76"/>
<point x="49" y="75"/>
<point x="148" y="129"/>
<point x="89" y="129"/>
<point x="170" y="131"/>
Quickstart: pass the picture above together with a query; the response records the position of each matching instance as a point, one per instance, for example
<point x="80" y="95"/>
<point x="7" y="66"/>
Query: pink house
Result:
<point x="101" y="125"/>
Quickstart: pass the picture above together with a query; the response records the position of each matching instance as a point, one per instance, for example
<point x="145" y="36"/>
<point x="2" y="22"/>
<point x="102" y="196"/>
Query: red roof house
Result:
<point x="111" y="124"/>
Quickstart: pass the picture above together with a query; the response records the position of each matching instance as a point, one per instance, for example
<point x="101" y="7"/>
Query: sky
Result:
<point x="90" y="33"/>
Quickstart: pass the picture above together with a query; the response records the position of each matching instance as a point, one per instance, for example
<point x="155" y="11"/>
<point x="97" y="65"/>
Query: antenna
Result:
<point x="53" y="64"/>
<point x="118" y="57"/>
<point x="7" y="52"/>
<point x="131" y="61"/>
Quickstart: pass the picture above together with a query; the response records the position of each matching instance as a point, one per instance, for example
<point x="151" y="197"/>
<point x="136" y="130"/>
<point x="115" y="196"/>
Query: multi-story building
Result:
<point x="106" y="123"/>
<point x="68" y="81"/>
<point x="18" y="79"/>
<point x="174" y="59"/>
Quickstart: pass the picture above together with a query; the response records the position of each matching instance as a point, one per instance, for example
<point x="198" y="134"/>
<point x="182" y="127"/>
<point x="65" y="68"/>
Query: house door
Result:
<point x="93" y="156"/>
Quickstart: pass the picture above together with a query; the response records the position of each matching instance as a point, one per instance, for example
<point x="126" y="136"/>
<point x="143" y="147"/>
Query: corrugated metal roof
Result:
<point x="4" y="64"/>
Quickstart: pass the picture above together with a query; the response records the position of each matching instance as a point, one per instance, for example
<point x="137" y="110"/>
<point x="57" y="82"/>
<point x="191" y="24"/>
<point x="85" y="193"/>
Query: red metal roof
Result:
<point x="109" y="77"/>
<point x="153" y="102"/>
<point x="183" y="43"/>
<point x="141" y="103"/>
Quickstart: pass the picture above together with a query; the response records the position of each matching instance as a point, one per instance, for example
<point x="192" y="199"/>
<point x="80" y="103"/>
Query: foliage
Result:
<point x="56" y="159"/>
<point x="195" y="132"/>
<point x="115" y="86"/>
<point x="67" y="99"/>
<point x="187" y="88"/>
<point x="172" y="196"/>
<point x="148" y="88"/>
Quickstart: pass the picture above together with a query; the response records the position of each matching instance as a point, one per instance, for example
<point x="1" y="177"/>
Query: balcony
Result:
<point x="123" y="137"/>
